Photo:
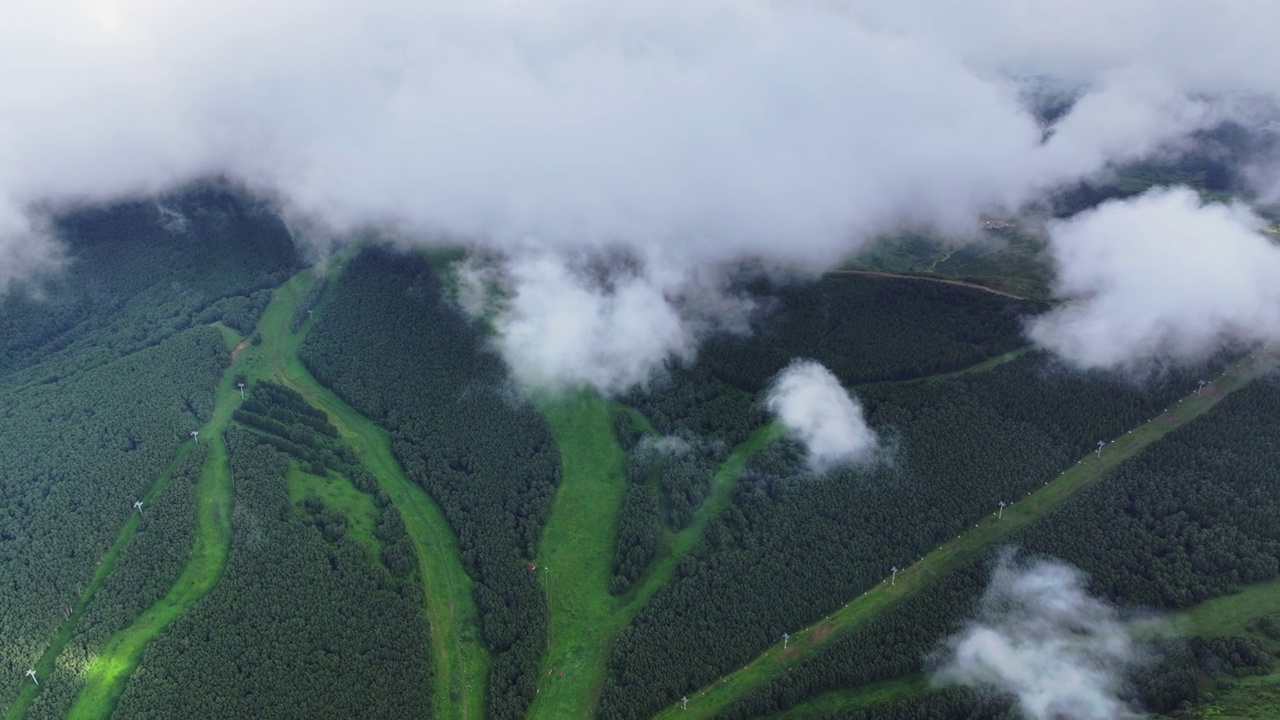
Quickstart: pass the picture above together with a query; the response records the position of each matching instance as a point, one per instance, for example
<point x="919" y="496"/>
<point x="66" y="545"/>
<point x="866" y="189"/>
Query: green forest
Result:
<point x="234" y="486"/>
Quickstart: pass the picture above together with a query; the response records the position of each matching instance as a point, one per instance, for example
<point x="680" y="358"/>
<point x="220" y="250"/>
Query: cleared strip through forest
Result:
<point x="978" y="367"/>
<point x="929" y="278"/>
<point x="1224" y="616"/>
<point x="44" y="668"/>
<point x="460" y="660"/>
<point x="861" y="610"/>
<point x="575" y="557"/>
<point x="107" y="675"/>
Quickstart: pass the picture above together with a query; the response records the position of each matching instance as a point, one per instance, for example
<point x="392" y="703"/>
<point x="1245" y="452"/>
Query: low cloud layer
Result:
<point x="688" y="134"/>
<point x="561" y="328"/>
<point x="820" y="413"/>
<point x="1162" y="276"/>
<point x="1040" y="638"/>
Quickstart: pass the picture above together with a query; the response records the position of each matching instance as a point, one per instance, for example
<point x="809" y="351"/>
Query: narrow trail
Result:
<point x="460" y="660"/>
<point x="929" y="278"/>
<point x="576" y="553"/>
<point x="978" y="367"/>
<point x="1091" y="469"/>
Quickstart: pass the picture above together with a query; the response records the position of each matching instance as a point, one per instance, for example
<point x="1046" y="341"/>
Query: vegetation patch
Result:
<point x="333" y="504"/>
<point x="919" y="575"/>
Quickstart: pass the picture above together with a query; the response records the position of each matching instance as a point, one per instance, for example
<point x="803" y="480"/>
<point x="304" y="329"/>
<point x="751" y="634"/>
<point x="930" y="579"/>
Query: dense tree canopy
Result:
<point x="1190" y="518"/>
<point x="299" y="626"/>
<point x="396" y="349"/>
<point x="795" y="545"/>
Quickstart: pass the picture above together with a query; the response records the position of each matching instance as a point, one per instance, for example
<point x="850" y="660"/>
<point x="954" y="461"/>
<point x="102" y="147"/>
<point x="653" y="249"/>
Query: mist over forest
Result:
<point x="639" y="360"/>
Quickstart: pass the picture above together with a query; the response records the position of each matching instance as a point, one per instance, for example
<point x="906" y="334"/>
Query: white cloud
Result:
<point x="698" y="133"/>
<point x="562" y="327"/>
<point x="1159" y="276"/>
<point x="819" y="412"/>
<point x="1041" y="638"/>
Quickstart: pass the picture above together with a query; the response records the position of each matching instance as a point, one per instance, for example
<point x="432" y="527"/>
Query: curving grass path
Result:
<point x="575" y="556"/>
<point x="106" y="676"/>
<point x="44" y="668"/>
<point x="460" y="660"/>
<point x="861" y="610"/>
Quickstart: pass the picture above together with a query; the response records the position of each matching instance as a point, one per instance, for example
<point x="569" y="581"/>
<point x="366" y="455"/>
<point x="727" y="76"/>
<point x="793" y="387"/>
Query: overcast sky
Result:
<point x="688" y="133"/>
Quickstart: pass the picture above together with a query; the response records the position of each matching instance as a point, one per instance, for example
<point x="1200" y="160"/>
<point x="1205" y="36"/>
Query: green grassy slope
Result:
<point x="460" y="660"/>
<point x="576" y="554"/>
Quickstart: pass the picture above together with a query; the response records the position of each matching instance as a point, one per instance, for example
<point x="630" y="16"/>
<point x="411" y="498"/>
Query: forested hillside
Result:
<point x="300" y="625"/>
<point x="105" y="367"/>
<point x="392" y="346"/>
<point x="867" y="329"/>
<point x="144" y="572"/>
<point x="793" y="545"/>
<point x="138" y="272"/>
<point x="1190" y="518"/>
<point x="76" y="455"/>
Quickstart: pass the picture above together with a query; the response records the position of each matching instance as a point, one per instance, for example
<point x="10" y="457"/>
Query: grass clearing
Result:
<point x="575" y="557"/>
<point x="1230" y="614"/>
<point x="230" y="337"/>
<point x="1245" y="698"/>
<point x="339" y="495"/>
<point x="861" y="610"/>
